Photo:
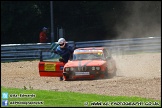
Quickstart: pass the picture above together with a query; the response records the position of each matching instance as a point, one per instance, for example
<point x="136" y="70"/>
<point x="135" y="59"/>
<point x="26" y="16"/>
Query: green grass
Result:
<point x="73" y="99"/>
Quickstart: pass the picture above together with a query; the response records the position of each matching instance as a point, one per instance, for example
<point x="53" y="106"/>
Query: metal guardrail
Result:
<point x="16" y="52"/>
<point x="150" y="44"/>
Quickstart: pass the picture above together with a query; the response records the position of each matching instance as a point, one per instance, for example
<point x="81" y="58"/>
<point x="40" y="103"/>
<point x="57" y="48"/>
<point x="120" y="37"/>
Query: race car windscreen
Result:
<point x="50" y="56"/>
<point x="88" y="56"/>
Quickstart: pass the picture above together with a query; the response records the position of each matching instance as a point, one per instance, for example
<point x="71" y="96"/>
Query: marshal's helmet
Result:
<point x="62" y="42"/>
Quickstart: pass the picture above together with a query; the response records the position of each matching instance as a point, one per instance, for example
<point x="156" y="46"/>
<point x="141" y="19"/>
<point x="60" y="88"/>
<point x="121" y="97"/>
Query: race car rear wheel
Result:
<point x="106" y="73"/>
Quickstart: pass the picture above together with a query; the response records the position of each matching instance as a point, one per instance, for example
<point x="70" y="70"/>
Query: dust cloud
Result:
<point x="136" y="19"/>
<point x="141" y="19"/>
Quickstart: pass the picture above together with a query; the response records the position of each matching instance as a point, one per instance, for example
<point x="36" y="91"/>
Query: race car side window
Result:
<point x="107" y="54"/>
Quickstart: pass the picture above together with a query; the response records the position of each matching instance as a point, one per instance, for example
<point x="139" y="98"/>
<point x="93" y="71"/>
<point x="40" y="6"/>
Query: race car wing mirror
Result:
<point x="108" y="57"/>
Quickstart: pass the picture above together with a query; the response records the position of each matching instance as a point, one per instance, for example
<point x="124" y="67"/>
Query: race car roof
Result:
<point x="92" y="48"/>
<point x="89" y="50"/>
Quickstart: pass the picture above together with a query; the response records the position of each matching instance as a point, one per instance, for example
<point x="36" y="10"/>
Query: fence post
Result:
<point x="41" y="59"/>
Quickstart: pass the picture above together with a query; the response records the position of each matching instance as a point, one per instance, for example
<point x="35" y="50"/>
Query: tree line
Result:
<point x="22" y="21"/>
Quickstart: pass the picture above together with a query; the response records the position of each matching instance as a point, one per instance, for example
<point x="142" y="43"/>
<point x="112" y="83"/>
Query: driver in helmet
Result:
<point x="65" y="51"/>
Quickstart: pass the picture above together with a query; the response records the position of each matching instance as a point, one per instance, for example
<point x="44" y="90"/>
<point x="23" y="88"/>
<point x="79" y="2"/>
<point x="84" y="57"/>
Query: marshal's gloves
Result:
<point x="61" y="59"/>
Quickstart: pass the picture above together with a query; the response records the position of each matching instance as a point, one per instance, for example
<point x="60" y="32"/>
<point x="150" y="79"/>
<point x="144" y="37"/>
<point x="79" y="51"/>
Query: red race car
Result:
<point x="90" y="63"/>
<point x="87" y="63"/>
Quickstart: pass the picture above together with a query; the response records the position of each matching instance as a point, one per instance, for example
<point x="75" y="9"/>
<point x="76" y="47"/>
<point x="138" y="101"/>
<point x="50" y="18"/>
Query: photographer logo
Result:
<point x="4" y="102"/>
<point x="4" y="95"/>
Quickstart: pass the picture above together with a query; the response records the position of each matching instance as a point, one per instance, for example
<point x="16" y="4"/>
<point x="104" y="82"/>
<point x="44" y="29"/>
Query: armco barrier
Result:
<point x="16" y="52"/>
<point x="150" y="44"/>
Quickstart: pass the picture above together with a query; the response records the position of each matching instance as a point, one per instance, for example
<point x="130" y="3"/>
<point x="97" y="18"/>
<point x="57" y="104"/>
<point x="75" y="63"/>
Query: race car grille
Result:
<point x="82" y="68"/>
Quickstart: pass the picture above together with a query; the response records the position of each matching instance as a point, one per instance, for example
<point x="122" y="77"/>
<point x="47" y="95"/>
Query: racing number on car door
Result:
<point x="50" y="66"/>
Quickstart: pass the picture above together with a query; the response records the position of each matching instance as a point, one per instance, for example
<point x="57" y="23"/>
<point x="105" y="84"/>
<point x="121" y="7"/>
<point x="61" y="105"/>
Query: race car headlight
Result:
<point x="67" y="69"/>
<point x="97" y="68"/>
<point x="93" y="68"/>
<point x="71" y="69"/>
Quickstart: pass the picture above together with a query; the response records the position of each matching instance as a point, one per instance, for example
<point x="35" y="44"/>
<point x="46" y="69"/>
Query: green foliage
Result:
<point x="22" y="21"/>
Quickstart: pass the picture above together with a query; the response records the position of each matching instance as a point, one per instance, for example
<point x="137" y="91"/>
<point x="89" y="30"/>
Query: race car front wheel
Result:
<point x="65" y="76"/>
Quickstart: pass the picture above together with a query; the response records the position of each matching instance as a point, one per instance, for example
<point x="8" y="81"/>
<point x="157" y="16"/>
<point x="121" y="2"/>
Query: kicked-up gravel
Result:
<point x="137" y="75"/>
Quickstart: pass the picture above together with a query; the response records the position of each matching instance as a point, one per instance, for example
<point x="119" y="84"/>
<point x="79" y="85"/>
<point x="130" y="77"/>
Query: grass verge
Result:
<point x="46" y="98"/>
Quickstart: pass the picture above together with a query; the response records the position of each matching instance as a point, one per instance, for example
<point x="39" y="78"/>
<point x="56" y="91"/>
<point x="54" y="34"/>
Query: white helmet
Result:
<point x="62" y="42"/>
